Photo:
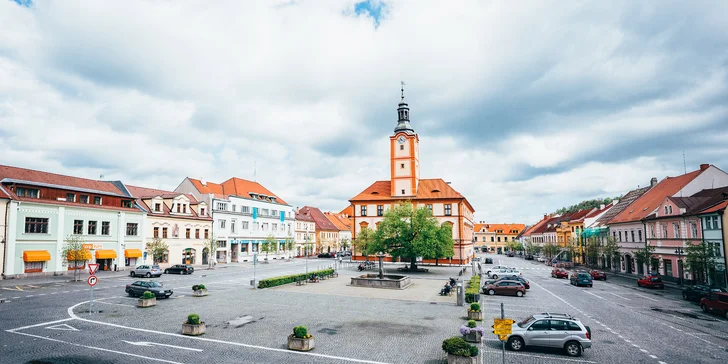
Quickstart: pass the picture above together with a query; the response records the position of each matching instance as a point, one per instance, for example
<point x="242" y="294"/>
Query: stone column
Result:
<point x="12" y="230"/>
<point x="57" y="267"/>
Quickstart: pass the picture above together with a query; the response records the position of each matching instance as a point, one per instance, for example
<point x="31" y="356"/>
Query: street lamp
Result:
<point x="679" y="251"/>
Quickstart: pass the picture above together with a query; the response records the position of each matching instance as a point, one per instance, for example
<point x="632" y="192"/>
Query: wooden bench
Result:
<point x="335" y="275"/>
<point x="301" y="282"/>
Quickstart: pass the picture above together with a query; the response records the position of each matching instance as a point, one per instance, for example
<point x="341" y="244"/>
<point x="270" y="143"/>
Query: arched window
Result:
<point x="665" y="210"/>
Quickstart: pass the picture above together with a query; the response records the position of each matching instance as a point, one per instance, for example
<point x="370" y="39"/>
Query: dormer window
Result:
<point x="125" y="203"/>
<point x="665" y="210"/>
<point x="375" y="193"/>
<point x="184" y="209"/>
<point x="202" y="211"/>
<point x="435" y="190"/>
<point x="97" y="200"/>
<point x="157" y="207"/>
<point x="179" y="208"/>
<point x="670" y="209"/>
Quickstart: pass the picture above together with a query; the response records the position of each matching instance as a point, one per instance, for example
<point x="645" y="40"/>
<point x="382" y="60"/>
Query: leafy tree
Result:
<point x="700" y="260"/>
<point x="586" y="205"/>
<point x="363" y="240"/>
<point x="610" y="248"/>
<point x="269" y="245"/>
<point x="307" y="245"/>
<point x="345" y="243"/>
<point x="156" y="249"/>
<point x="645" y="255"/>
<point x="550" y="249"/>
<point x="289" y="245"/>
<point x="211" y="246"/>
<point x="74" y="255"/>
<point x="406" y="232"/>
<point x="593" y="249"/>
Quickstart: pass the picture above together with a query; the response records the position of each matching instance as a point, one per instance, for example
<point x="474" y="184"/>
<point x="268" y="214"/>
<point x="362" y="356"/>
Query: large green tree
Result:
<point x="646" y="255"/>
<point x="363" y="240"/>
<point x="74" y="255"/>
<point x="156" y="249"/>
<point x="700" y="260"/>
<point x="409" y="233"/>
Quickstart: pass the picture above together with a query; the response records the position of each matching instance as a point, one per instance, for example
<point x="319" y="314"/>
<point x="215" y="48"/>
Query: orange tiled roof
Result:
<point x="477" y="227"/>
<point x="506" y="228"/>
<point x="535" y="226"/>
<point x="348" y="211"/>
<point x="334" y="218"/>
<point x="322" y="222"/>
<point x="234" y="186"/>
<point x="433" y="188"/>
<point x="715" y="208"/>
<point x="22" y="174"/>
<point x="652" y="199"/>
<point x="144" y="192"/>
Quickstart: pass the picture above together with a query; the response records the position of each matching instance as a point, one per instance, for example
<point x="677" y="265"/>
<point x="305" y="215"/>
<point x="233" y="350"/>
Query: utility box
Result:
<point x="252" y="282"/>
<point x="461" y="293"/>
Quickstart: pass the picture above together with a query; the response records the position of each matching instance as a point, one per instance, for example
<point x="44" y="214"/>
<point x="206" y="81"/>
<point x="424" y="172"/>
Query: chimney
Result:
<point x="545" y="216"/>
<point x="203" y="181"/>
<point x="614" y="202"/>
<point x="653" y="182"/>
<point x="601" y="207"/>
<point x="704" y="167"/>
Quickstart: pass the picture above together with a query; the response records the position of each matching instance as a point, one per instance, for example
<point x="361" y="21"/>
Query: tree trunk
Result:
<point x="413" y="263"/>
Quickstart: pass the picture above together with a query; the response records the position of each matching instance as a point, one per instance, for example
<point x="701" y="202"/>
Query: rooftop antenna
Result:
<point x="101" y="176"/>
<point x="685" y="166"/>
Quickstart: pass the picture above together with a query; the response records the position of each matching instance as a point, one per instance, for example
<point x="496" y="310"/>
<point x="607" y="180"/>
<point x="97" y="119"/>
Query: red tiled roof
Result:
<point x="535" y="226"/>
<point x="477" y="227"/>
<point x="336" y="220"/>
<point x="235" y="186"/>
<point x="580" y="215"/>
<point x="75" y="204"/>
<point x="30" y="175"/>
<point x="715" y="208"/>
<point x="434" y="188"/>
<point x="596" y="212"/>
<point x="143" y="192"/>
<point x="322" y="222"/>
<point x="652" y="199"/>
<point x="545" y="225"/>
<point x="303" y="216"/>
<point x="348" y="211"/>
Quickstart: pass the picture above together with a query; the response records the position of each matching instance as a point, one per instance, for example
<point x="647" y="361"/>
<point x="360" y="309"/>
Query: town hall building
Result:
<point x="405" y="184"/>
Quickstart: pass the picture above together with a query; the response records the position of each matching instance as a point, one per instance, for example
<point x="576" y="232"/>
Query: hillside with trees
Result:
<point x="586" y="205"/>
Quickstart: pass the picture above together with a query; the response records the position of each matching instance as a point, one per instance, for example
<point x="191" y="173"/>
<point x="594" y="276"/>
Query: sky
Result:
<point x="525" y="107"/>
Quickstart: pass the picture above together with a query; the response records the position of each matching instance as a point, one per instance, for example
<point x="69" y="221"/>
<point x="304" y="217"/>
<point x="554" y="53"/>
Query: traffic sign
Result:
<point x="502" y="332"/>
<point x="498" y="321"/>
<point x="502" y="337"/>
<point x="92" y="268"/>
<point x="92" y="280"/>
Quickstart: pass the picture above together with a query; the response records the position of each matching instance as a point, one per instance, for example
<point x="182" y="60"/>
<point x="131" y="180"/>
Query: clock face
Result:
<point x="401" y="140"/>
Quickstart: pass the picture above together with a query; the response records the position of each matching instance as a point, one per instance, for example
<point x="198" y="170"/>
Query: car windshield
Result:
<point x="154" y="284"/>
<point x="583" y="275"/>
<point x="526" y="322"/>
<point x="655" y="279"/>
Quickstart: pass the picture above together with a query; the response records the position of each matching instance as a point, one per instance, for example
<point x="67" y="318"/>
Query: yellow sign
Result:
<point x="502" y="327"/>
<point x="508" y="322"/>
<point x="502" y="332"/>
<point x="503" y="337"/>
<point x="92" y="246"/>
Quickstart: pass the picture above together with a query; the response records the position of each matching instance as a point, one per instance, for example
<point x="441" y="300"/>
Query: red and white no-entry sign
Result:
<point x="92" y="268"/>
<point x="92" y="280"/>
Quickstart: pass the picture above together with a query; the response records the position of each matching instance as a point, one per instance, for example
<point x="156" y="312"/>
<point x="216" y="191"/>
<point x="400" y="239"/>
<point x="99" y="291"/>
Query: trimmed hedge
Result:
<point x="459" y="347"/>
<point x="279" y="281"/>
<point x="473" y="289"/>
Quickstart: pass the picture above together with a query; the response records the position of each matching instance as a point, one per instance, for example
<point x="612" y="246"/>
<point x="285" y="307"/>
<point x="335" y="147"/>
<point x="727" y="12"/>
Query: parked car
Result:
<point x="542" y="259"/>
<point x="180" y="269"/>
<point x="716" y="302"/>
<point x="139" y="287"/>
<point x="651" y="281"/>
<point x="523" y="281"/>
<point x="698" y="292"/>
<point x="598" y="274"/>
<point x="488" y="260"/>
<point x="551" y="330"/>
<point x="559" y="273"/>
<point x="505" y="288"/>
<point x="327" y="255"/>
<point x="146" y="271"/>
<point x="495" y="273"/>
<point x="476" y="259"/>
<point x="511" y="254"/>
<point x="581" y="279"/>
<point x="487" y="272"/>
<point x="529" y="257"/>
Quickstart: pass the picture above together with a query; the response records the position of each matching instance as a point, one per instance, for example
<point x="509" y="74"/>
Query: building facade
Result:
<point x="327" y="234"/>
<point x="244" y="215"/>
<point x="305" y="234"/>
<point x="713" y="221"/>
<point x="343" y="223"/>
<point x="180" y="221"/>
<point x="494" y="238"/>
<point x="44" y="210"/>
<point x="406" y="185"/>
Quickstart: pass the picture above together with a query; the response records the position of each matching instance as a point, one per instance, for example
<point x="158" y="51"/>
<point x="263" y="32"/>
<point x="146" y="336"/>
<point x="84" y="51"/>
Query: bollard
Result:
<point x="461" y="293"/>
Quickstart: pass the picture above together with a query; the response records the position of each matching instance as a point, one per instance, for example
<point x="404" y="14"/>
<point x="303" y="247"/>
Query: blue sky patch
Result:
<point x="371" y="7"/>
<point x="26" y="3"/>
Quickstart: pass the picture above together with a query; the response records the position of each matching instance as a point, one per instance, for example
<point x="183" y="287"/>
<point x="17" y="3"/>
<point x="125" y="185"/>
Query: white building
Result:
<point x="244" y="215"/>
<point x="305" y="233"/>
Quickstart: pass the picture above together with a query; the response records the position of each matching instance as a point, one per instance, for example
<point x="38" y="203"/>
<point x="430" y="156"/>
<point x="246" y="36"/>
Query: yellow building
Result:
<point x="494" y="238"/>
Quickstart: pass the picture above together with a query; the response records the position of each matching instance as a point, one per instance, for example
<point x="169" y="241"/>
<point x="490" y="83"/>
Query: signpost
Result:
<point x="92" y="280"/>
<point x="502" y="327"/>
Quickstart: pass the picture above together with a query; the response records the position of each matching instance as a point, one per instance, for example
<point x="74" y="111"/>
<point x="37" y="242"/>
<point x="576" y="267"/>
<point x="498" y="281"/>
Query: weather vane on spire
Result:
<point x="402" y="82"/>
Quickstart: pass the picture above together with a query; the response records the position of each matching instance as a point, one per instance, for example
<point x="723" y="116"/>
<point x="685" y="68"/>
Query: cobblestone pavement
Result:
<point x="629" y="325"/>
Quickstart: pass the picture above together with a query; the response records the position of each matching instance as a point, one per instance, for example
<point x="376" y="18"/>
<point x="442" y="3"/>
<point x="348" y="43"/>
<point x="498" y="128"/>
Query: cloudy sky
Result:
<point x="523" y="108"/>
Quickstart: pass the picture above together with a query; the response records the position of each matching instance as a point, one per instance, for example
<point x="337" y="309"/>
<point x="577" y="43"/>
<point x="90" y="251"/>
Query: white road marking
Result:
<point x="41" y="324"/>
<point x="65" y="291"/>
<point x="147" y="343"/>
<point x="64" y="327"/>
<point x="600" y="297"/>
<point x="30" y="295"/>
<point x="41" y="294"/>
<point x="643" y="350"/>
<point x="97" y="348"/>
<point x="653" y="356"/>
<point x="117" y="304"/>
<point x="622" y="297"/>
<point x="649" y="298"/>
<point x="15" y="298"/>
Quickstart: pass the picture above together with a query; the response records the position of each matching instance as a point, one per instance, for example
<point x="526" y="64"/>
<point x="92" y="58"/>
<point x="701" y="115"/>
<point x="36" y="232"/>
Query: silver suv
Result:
<point x="556" y="330"/>
<point x="146" y="271"/>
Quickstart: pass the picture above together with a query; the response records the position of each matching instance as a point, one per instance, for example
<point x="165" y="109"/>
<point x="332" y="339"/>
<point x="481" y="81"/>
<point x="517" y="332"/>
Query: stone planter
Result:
<point x="149" y="302"/>
<point x="475" y="315"/>
<point x="193" y="330"/>
<point x="200" y="293"/>
<point x="473" y="337"/>
<point x="299" y="344"/>
<point x="454" y="359"/>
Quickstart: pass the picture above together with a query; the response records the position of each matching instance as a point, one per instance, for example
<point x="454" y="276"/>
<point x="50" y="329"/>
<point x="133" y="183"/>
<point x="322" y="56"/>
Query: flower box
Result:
<point x="149" y="302"/>
<point x="473" y="336"/>
<point x="300" y="344"/>
<point x="193" y="330"/>
<point x="475" y="315"/>
<point x="200" y="293"/>
<point x="455" y="359"/>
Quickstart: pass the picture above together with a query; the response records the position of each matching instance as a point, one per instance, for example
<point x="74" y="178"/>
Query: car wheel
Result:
<point x="166" y="271"/>
<point x="591" y="285"/>
<point x="704" y="308"/>
<point x="491" y="292"/>
<point x="148" y="275"/>
<point x="130" y="293"/>
<point x="726" y="314"/>
<point x="131" y="274"/>
<point x="519" y="293"/>
<point x="495" y="276"/>
<point x="515" y="343"/>
<point x="573" y="348"/>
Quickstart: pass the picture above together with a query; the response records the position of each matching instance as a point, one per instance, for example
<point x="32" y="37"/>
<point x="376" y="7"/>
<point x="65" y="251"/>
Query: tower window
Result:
<point x="401" y="165"/>
<point x="403" y="192"/>
<point x="401" y="147"/>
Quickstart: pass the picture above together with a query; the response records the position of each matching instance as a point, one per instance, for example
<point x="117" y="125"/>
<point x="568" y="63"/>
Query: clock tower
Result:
<point x="404" y="155"/>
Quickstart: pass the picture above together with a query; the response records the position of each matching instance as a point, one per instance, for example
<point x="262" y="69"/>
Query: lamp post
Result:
<point x="679" y="251"/>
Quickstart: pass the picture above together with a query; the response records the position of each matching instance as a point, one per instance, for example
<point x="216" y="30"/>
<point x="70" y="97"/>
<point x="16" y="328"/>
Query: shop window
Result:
<point x="187" y="233"/>
<point x="34" y="267"/>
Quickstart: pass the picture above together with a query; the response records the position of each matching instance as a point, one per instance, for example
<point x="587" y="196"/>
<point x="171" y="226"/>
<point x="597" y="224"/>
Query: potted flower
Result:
<point x="472" y="332"/>
<point x="193" y="326"/>
<point x="148" y="299"/>
<point x="300" y="340"/>
<point x="474" y="312"/>
<point x="459" y="352"/>
<point x="199" y="290"/>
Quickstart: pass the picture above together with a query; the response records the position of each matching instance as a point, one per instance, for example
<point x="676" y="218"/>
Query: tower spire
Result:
<point x="402" y="89"/>
<point x="403" y="121"/>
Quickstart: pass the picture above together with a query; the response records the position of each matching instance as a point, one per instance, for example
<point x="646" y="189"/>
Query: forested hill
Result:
<point x="588" y="204"/>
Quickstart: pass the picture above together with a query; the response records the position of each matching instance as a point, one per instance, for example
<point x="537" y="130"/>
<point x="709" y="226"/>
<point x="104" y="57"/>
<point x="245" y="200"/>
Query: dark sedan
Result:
<point x="505" y="288"/>
<point x="488" y="260"/>
<point x="180" y="269"/>
<point x="697" y="292"/>
<point x="523" y="281"/>
<point x="139" y="287"/>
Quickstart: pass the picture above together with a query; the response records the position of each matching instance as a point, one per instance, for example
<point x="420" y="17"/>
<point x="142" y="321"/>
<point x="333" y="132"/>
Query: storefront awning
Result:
<point x="78" y="255"/>
<point x="132" y="253"/>
<point x="36" y="256"/>
<point x="106" y="254"/>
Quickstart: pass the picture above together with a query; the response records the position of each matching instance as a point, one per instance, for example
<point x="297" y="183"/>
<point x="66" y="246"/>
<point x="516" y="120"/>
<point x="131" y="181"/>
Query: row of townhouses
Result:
<point x="668" y="215"/>
<point x="200" y="222"/>
<point x="494" y="238"/>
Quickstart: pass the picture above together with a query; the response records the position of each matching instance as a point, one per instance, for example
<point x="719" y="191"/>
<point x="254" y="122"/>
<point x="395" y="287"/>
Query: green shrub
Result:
<point x="279" y="281"/>
<point x="472" y="289"/>
<point x="201" y="286"/>
<point x="301" y="332"/>
<point x="193" y="319"/>
<point x="148" y="295"/>
<point x="472" y="323"/>
<point x="475" y="307"/>
<point x="459" y="347"/>
<point x="195" y="287"/>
